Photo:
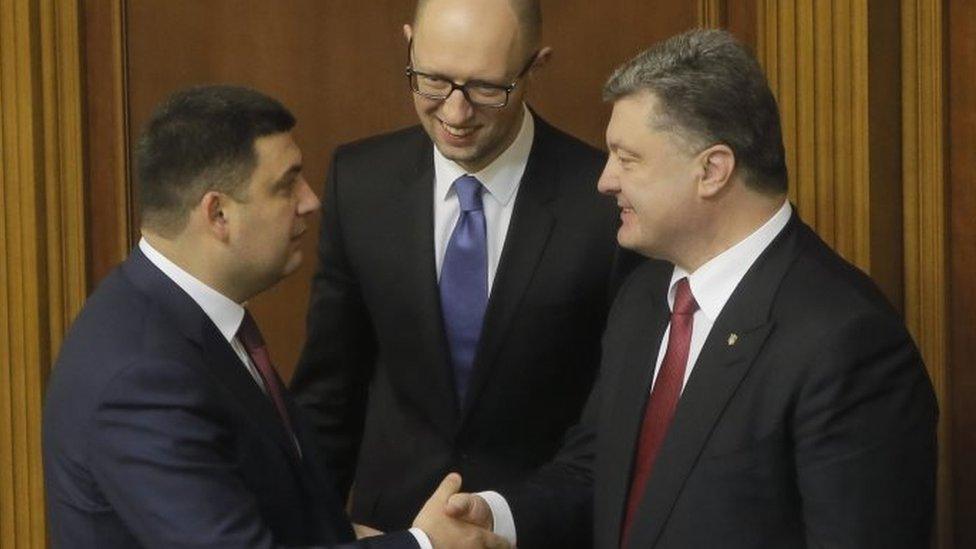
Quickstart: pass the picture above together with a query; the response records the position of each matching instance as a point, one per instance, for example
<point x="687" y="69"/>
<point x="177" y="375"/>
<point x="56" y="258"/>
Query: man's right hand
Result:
<point x="448" y="532"/>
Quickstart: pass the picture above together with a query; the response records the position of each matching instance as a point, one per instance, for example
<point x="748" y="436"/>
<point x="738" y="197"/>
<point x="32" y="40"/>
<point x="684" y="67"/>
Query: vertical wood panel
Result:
<point x="923" y="121"/>
<point x="108" y="203"/>
<point x="838" y="105"/>
<point x="42" y="238"/>
<point x="713" y="14"/>
<point x="961" y="106"/>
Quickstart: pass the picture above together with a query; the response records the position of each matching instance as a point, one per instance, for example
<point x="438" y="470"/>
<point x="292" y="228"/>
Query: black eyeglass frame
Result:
<point x="411" y="72"/>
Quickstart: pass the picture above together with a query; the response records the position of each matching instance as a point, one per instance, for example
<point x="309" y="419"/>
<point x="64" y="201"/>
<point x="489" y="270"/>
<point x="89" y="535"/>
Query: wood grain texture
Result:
<point x="923" y="164"/>
<point x="961" y="257"/>
<point x="42" y="238"/>
<point x="109" y="205"/>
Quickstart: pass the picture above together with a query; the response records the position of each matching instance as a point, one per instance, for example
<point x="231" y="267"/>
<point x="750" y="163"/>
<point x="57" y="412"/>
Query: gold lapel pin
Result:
<point x="732" y="339"/>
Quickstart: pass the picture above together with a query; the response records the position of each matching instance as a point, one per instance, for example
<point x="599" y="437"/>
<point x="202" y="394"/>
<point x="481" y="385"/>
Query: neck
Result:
<point x="189" y="256"/>
<point x="727" y="225"/>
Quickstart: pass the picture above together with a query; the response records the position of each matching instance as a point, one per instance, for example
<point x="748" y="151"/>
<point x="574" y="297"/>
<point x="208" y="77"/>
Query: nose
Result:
<point x="308" y="202"/>
<point x="456" y="109"/>
<point x="608" y="183"/>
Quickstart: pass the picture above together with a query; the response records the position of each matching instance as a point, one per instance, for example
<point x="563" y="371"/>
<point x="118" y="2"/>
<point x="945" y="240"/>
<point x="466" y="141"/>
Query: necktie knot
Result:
<point x="684" y="301"/>
<point x="249" y="334"/>
<point x="468" y="190"/>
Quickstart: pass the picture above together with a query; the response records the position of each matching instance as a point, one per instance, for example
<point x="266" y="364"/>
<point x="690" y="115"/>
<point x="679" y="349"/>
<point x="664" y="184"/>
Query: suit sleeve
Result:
<point x="865" y="443"/>
<point x="336" y="365"/>
<point x="163" y="458"/>
<point x="554" y="507"/>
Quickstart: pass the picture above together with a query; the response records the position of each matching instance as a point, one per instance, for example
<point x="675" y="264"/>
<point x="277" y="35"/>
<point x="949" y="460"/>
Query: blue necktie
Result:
<point x="464" y="282"/>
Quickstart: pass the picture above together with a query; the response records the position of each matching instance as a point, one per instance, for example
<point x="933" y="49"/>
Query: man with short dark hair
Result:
<point x="464" y="274"/>
<point x="165" y="422"/>
<point x="756" y="390"/>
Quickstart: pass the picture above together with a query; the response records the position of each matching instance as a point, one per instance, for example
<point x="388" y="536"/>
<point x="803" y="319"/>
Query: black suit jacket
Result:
<point x="155" y="435"/>
<point x="814" y="427"/>
<point x="375" y="372"/>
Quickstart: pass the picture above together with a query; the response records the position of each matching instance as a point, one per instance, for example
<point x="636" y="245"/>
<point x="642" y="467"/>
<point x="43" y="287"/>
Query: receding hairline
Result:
<point x="527" y="12"/>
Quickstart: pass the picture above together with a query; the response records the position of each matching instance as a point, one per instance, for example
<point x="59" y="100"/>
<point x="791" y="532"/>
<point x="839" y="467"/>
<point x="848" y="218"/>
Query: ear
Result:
<point x="407" y="32"/>
<point x="541" y="59"/>
<point x="212" y="208"/>
<point x="718" y="163"/>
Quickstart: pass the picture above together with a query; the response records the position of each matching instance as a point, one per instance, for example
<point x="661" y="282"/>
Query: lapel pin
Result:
<point x="732" y="339"/>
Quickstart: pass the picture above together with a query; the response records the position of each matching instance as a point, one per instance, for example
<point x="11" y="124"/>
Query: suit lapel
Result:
<point x="216" y="355"/>
<point x="413" y="217"/>
<point x="226" y="366"/>
<point x="720" y="368"/>
<point x="528" y="232"/>
<point x="622" y="430"/>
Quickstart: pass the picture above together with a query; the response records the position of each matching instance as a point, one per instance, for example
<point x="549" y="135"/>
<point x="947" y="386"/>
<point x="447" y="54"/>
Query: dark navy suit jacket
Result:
<point x="155" y="435"/>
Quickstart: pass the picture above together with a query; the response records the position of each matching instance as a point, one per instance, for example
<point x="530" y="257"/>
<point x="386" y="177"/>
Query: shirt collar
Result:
<point x="501" y="177"/>
<point x="222" y="311"/>
<point x="713" y="283"/>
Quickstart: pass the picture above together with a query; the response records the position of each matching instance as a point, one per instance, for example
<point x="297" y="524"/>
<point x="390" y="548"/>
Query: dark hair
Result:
<point x="710" y="89"/>
<point x="528" y="13"/>
<point x="201" y="139"/>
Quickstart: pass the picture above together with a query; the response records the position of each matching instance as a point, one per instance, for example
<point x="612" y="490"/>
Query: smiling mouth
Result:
<point x="455" y="131"/>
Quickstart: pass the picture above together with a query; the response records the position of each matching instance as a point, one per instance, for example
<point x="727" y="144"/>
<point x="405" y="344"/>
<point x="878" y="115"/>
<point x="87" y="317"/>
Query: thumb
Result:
<point x="449" y="486"/>
<point x="470" y="508"/>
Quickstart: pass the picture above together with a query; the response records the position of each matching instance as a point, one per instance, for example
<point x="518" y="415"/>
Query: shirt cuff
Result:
<point x="501" y="514"/>
<point x="422" y="540"/>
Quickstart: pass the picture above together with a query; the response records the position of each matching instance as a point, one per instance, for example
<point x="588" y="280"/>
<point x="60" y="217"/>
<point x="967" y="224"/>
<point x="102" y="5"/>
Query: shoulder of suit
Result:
<point x="404" y="142"/>
<point x="820" y="284"/>
<point x="567" y="148"/>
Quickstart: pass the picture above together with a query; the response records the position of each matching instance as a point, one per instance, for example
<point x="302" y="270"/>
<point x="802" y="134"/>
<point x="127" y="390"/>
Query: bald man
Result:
<point x="465" y="269"/>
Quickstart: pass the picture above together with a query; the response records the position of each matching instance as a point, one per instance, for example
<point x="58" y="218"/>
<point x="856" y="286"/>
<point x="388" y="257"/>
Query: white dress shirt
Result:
<point x="222" y="311"/>
<point x="227" y="317"/>
<point x="712" y="285"/>
<point x="501" y="180"/>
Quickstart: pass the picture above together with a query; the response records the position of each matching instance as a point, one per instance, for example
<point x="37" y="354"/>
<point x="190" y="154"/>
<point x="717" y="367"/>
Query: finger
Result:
<point x="494" y="541"/>
<point x="363" y="531"/>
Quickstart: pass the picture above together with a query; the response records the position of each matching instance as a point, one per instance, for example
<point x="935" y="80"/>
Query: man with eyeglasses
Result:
<point x="465" y="273"/>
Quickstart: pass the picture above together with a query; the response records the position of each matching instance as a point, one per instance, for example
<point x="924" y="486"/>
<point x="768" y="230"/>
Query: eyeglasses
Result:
<point x="478" y="93"/>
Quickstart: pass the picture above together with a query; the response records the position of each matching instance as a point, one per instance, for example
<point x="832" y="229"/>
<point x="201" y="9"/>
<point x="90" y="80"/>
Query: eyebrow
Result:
<point x="472" y="82"/>
<point x="618" y="148"/>
<point x="289" y="176"/>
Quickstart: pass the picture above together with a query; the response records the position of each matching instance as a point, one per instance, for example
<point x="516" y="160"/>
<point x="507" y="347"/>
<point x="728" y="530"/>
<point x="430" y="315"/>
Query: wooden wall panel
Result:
<point x="42" y="238"/>
<point x="830" y="66"/>
<point x="108" y="200"/>
<point x="924" y="187"/>
<point x="590" y="39"/>
<point x="961" y="254"/>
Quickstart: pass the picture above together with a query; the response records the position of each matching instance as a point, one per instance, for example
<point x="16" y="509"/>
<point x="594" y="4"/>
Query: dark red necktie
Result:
<point x="253" y="342"/>
<point x="664" y="398"/>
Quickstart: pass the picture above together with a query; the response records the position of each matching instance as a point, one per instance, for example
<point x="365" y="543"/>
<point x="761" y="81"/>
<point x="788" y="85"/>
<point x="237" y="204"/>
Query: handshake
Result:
<point x="452" y="519"/>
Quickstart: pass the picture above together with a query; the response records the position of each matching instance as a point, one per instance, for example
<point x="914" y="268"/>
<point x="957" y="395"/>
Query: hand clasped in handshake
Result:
<point x="456" y="520"/>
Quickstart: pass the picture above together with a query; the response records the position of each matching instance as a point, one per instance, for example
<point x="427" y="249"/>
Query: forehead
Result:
<point x="465" y="39"/>
<point x="630" y="119"/>
<point x="276" y="154"/>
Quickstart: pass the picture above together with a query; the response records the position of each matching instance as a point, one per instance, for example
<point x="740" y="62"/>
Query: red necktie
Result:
<point x="664" y="398"/>
<point x="253" y="342"/>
